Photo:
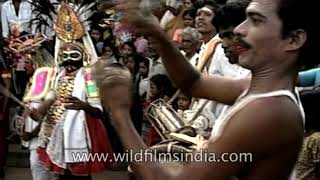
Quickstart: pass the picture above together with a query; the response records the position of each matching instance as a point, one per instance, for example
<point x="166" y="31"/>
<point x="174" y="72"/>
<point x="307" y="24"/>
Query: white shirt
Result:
<point x="156" y="67"/>
<point x="220" y="65"/>
<point x="193" y="60"/>
<point x="9" y="17"/>
<point x="205" y="45"/>
<point x="166" y="18"/>
<point x="143" y="86"/>
<point x="206" y="115"/>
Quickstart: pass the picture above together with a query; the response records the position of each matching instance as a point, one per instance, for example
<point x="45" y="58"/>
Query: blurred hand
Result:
<point x="34" y="114"/>
<point x="73" y="103"/>
<point x="26" y="136"/>
<point x="141" y="18"/>
<point x="114" y="83"/>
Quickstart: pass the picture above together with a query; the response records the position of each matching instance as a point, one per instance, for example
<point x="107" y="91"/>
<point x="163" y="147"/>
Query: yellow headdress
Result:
<point x="68" y="26"/>
<point x="71" y="26"/>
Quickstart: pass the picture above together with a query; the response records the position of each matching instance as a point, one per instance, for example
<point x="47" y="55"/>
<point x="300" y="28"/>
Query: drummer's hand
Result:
<point x="73" y="103"/>
<point x="35" y="114"/>
<point x="115" y="84"/>
<point x="27" y="136"/>
<point x="141" y="18"/>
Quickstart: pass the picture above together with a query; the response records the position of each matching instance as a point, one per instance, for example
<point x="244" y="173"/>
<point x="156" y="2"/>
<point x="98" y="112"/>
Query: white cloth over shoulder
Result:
<point x="225" y="118"/>
<point x="71" y="134"/>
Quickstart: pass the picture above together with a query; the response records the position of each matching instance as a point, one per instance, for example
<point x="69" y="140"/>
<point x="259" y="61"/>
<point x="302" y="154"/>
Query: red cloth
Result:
<point x="152" y="137"/>
<point x="100" y="144"/>
<point x="43" y="156"/>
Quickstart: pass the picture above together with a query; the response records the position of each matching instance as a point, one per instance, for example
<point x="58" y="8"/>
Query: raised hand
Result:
<point x="139" y="17"/>
<point x="114" y="82"/>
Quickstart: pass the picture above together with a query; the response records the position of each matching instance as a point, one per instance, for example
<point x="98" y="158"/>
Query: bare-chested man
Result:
<point x="265" y="118"/>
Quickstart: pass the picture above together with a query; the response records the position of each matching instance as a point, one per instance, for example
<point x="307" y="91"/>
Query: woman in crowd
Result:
<point x="126" y="50"/>
<point x="188" y="21"/>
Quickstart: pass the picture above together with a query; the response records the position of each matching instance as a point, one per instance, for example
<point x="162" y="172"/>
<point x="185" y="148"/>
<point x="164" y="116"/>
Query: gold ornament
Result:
<point x="68" y="26"/>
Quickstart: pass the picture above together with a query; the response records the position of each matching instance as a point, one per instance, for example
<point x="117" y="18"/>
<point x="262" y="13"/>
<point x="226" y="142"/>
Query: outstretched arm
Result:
<point x="116" y="85"/>
<point x="180" y="71"/>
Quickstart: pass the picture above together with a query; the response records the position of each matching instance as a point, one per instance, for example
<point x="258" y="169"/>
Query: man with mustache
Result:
<point x="217" y="63"/>
<point x="265" y="118"/>
<point x="227" y="18"/>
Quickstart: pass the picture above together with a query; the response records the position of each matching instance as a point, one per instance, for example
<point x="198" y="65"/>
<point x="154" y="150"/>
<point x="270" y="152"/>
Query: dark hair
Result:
<point x="144" y="60"/>
<point x="137" y="59"/>
<point x="186" y="95"/>
<point x="131" y="45"/>
<point x="230" y="15"/>
<point x="212" y="3"/>
<point x="111" y="45"/>
<point x="98" y="28"/>
<point x="163" y="83"/>
<point x="190" y="12"/>
<point x="299" y="14"/>
<point x="169" y="91"/>
<point x="221" y="2"/>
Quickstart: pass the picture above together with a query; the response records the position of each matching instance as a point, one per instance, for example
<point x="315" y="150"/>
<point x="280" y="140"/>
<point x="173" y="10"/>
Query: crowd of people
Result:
<point x="240" y="73"/>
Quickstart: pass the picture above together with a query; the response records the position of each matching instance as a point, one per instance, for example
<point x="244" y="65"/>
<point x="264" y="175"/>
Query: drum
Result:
<point x="166" y="120"/>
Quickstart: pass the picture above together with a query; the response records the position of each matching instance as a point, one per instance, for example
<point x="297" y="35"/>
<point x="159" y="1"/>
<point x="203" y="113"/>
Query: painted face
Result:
<point x="71" y="55"/>
<point x="259" y="40"/>
<point x="228" y="44"/>
<point x="203" y="21"/>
